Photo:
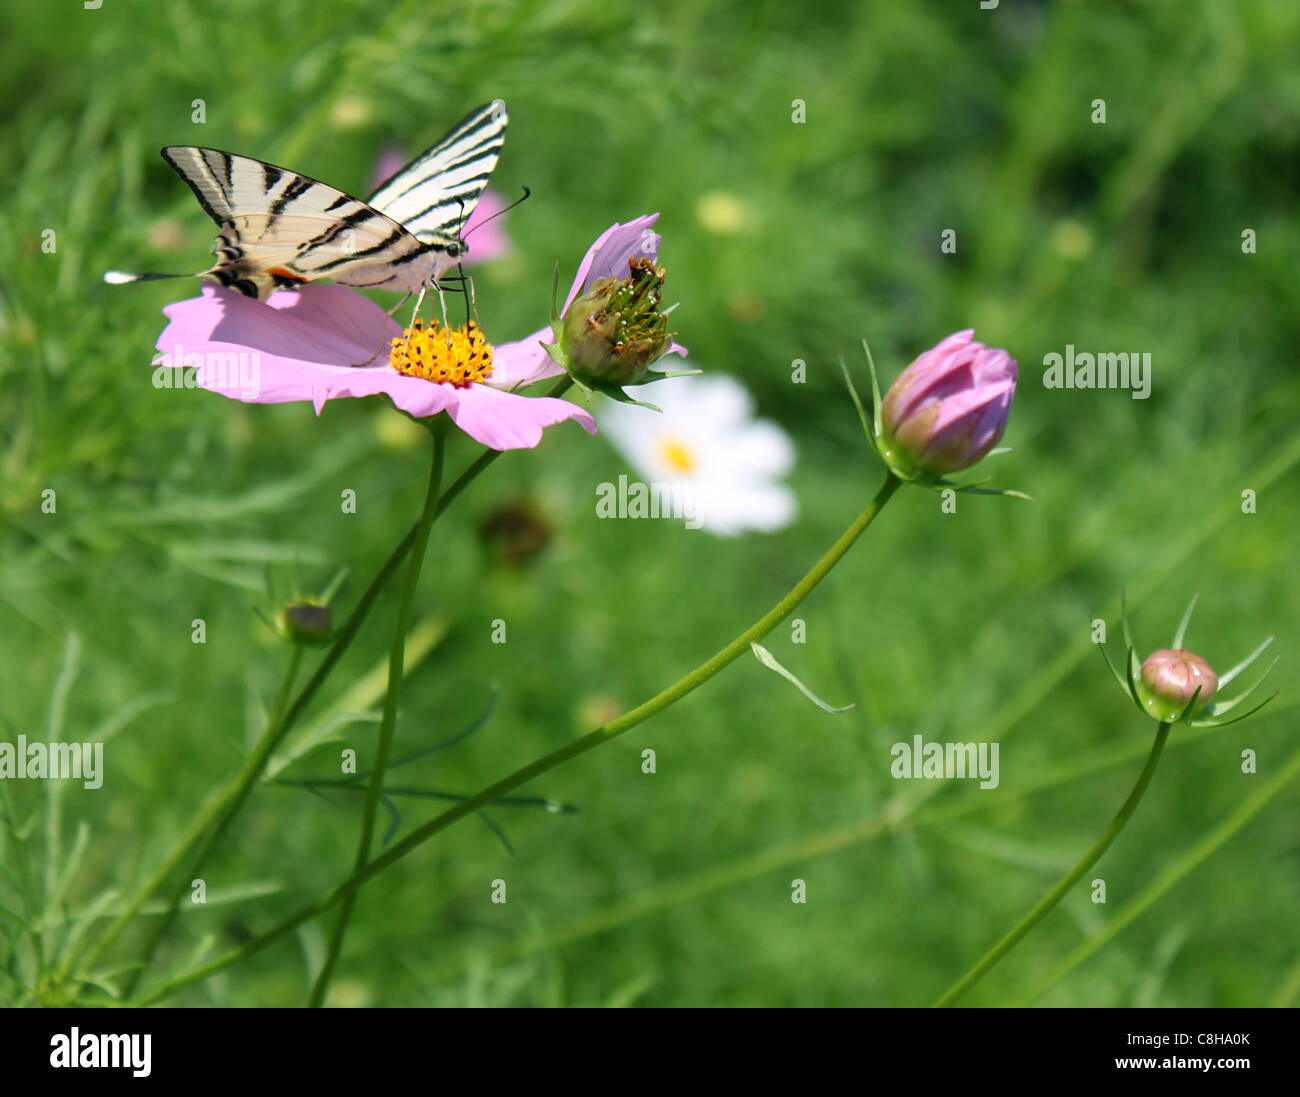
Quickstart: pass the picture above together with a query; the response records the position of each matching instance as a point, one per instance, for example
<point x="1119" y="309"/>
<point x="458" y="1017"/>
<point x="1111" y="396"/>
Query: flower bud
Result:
<point x="613" y="332"/>
<point x="948" y="408"/>
<point x="308" y="623"/>
<point x="1170" y="679"/>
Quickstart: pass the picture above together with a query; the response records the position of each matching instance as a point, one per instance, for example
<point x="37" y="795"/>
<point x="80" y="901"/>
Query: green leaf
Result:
<point x="1124" y="682"/>
<point x="1123" y="616"/>
<point x="867" y="427"/>
<point x="769" y="660"/>
<point x="1182" y="625"/>
<point x="1235" y="719"/>
<point x="875" y="389"/>
<point x="1228" y="676"/>
<point x="1220" y="707"/>
<point x="555" y="354"/>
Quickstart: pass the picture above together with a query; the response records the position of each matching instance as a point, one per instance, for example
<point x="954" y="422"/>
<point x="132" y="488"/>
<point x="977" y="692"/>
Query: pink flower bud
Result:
<point x="948" y="408"/>
<point x="1171" y="678"/>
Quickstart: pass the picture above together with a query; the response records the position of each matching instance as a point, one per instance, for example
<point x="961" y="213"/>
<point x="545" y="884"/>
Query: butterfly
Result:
<point x="281" y="229"/>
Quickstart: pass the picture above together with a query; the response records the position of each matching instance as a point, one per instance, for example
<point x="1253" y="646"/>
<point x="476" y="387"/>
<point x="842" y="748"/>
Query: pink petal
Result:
<point x="523" y="362"/>
<point x="305" y="343"/>
<point x="504" y="420"/>
<point x="609" y="255"/>
<point x="970" y="424"/>
<point x="322" y="324"/>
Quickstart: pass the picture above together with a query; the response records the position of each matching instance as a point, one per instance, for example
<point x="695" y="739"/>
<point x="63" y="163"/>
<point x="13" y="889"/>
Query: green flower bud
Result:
<point x="1170" y="679"/>
<point x="1165" y="685"/>
<point x="307" y="623"/>
<point x="612" y="333"/>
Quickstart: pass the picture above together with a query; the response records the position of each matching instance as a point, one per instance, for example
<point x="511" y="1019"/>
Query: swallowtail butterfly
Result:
<point x="281" y="229"/>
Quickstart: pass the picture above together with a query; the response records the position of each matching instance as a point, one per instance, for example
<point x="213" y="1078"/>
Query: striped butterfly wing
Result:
<point x="280" y="228"/>
<point x="433" y="196"/>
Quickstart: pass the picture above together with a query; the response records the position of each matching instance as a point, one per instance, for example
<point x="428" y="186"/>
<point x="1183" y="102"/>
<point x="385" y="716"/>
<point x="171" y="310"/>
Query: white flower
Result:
<point x="707" y="440"/>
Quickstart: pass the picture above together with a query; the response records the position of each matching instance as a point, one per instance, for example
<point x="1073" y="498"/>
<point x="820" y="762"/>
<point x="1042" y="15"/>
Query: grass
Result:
<point x="674" y="888"/>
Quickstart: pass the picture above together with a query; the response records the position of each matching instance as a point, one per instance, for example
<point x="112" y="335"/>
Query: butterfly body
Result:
<point x="281" y="229"/>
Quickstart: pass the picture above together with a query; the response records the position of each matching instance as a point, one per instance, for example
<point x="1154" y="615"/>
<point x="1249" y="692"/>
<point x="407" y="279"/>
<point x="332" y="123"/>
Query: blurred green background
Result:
<point x="674" y="889"/>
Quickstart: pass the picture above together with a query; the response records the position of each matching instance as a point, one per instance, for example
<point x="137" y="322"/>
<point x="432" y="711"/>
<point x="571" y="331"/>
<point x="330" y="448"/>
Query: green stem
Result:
<point x="1174" y="874"/>
<point x="1030" y="920"/>
<point x="252" y="765"/>
<point x="396" y="661"/>
<point x="506" y="785"/>
<point x="228" y="800"/>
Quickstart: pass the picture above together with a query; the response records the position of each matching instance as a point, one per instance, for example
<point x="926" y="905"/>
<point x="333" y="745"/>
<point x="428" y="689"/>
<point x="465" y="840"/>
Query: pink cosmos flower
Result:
<point x="304" y="344"/>
<point x="608" y="257"/>
<point x="489" y="241"/>
<point x="950" y="406"/>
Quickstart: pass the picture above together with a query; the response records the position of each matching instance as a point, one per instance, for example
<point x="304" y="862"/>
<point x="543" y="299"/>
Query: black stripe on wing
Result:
<point x="296" y="189"/>
<point x="435" y="194"/>
<point x="388" y="242"/>
<point x="493" y="143"/>
<point x="190" y="164"/>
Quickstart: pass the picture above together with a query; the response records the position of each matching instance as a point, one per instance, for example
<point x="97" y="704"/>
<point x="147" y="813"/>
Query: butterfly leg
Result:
<point x="406" y="297"/>
<point x="471" y="305"/>
<point x="442" y="300"/>
<point x="414" y="316"/>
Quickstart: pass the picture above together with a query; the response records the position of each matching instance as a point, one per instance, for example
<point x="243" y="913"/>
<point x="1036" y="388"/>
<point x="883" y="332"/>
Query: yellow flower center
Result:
<point x="458" y="357"/>
<point x="677" y="455"/>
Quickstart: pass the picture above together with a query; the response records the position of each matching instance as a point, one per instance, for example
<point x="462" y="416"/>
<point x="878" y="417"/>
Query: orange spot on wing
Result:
<point x="280" y="272"/>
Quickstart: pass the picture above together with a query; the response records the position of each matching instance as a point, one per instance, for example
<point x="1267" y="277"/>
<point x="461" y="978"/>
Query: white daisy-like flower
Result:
<point x="707" y="440"/>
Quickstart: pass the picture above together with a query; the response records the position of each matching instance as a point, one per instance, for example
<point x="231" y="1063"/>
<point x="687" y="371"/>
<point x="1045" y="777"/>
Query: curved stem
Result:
<point x="1175" y="873"/>
<point x="396" y="661"/>
<point x="1048" y="901"/>
<point x="592" y="739"/>
<point x="227" y="801"/>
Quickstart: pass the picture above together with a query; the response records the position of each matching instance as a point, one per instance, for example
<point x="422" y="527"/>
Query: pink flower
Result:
<point x="305" y="344"/>
<point x="949" y="407"/>
<point x="608" y="257"/>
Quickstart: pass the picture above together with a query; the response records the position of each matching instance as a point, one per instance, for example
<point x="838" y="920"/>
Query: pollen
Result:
<point x="455" y="356"/>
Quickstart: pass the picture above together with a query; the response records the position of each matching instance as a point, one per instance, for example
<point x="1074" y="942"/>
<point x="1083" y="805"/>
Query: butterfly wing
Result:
<point x="434" y="195"/>
<point x="280" y="228"/>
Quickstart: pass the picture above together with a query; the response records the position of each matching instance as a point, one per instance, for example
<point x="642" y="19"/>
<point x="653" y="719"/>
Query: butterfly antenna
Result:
<point x="500" y="213"/>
